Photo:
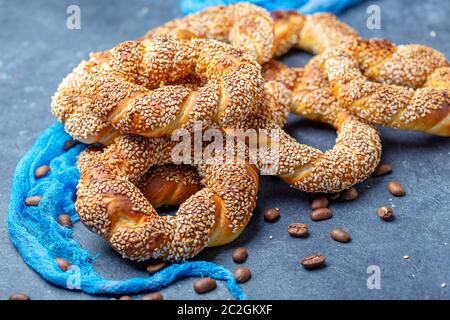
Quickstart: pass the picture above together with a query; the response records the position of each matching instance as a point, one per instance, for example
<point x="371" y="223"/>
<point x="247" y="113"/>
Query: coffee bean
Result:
<point x="349" y="194"/>
<point x="340" y="235"/>
<point x="33" y="200"/>
<point x="396" y="188"/>
<point x="69" y="144"/>
<point x="153" y="296"/>
<point x="242" y="275"/>
<point x="385" y="213"/>
<point x="272" y="214"/>
<point x="64" y="220"/>
<point x="156" y="266"/>
<point x="321" y="214"/>
<point x="321" y="202"/>
<point x="19" y="296"/>
<point x="382" y="169"/>
<point x="313" y="261"/>
<point x="334" y="196"/>
<point x="205" y="285"/>
<point x="41" y="171"/>
<point x="125" y="298"/>
<point x="240" y="255"/>
<point x="63" y="264"/>
<point x="298" y="229"/>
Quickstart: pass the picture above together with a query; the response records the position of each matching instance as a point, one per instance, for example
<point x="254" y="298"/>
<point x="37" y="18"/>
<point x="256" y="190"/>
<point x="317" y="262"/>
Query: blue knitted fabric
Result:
<point x="38" y="237"/>
<point x="304" y="6"/>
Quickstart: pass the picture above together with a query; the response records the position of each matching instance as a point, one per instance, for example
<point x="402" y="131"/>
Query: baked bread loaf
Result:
<point x="244" y="25"/>
<point x="110" y="203"/>
<point x="133" y="88"/>
<point x="405" y="87"/>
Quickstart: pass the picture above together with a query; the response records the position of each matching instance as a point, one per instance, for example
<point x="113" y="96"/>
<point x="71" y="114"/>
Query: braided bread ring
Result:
<point x="118" y="89"/>
<point x="244" y="25"/>
<point x="405" y="87"/>
<point x="110" y="203"/>
<point x="161" y="185"/>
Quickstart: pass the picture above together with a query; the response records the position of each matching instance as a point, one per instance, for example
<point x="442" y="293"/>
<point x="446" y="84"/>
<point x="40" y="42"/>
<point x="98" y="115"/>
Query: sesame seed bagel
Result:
<point x="110" y="203"/>
<point x="244" y="25"/>
<point x="132" y="89"/>
<point x="405" y="87"/>
<point x="354" y="157"/>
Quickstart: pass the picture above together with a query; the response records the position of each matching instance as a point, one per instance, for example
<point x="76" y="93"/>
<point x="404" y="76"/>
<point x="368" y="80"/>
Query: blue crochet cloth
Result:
<point x="304" y="6"/>
<point x="38" y="237"/>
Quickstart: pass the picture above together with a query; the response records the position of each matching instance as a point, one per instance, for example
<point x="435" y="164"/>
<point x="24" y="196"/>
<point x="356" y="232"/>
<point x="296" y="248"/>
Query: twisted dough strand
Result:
<point x="110" y="203"/>
<point x="244" y="25"/>
<point x="118" y="89"/>
<point x="405" y="87"/>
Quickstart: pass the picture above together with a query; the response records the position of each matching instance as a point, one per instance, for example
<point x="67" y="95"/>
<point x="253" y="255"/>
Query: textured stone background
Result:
<point x="37" y="51"/>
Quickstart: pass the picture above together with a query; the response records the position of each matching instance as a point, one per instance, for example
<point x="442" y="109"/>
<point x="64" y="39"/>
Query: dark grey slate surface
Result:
<point x="37" y="50"/>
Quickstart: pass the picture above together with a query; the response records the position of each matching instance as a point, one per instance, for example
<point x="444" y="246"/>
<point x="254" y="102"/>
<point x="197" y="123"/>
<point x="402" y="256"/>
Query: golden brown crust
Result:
<point x="405" y="87"/>
<point x="244" y="25"/>
<point x="119" y="90"/>
<point x="110" y="203"/>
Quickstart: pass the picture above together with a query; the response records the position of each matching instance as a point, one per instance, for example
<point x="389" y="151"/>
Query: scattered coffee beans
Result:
<point x="340" y="235"/>
<point x="321" y="202"/>
<point x="242" y="275"/>
<point x="382" y="169"/>
<point x="272" y="214"/>
<point x="240" y="255"/>
<point x="349" y="194"/>
<point x="313" y="261"/>
<point x="334" y="196"/>
<point x="298" y="230"/>
<point x="153" y="296"/>
<point x="65" y="220"/>
<point x="125" y="298"/>
<point x="69" y="144"/>
<point x="396" y="188"/>
<point x="41" y="171"/>
<point x="19" y="296"/>
<point x="321" y="214"/>
<point x="205" y="285"/>
<point x="156" y="266"/>
<point x="385" y="213"/>
<point x="63" y="264"/>
<point x="33" y="200"/>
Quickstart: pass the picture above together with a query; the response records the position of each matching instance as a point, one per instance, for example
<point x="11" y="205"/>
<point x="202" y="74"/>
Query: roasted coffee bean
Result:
<point x="313" y="261"/>
<point x="385" y="213"/>
<point x="65" y="220"/>
<point x="125" y="298"/>
<point x="298" y="229"/>
<point x="19" y="296"/>
<point x="382" y="169"/>
<point x="240" y="255"/>
<point x="334" y="196"/>
<point x="272" y="214"/>
<point x="63" y="264"/>
<point x="153" y="296"/>
<point x="349" y="194"/>
<point x="41" y="171"/>
<point x="242" y="275"/>
<point x="340" y="235"/>
<point x="204" y="285"/>
<point x="321" y="202"/>
<point x="33" y="200"/>
<point x="156" y="266"/>
<point x="69" y="144"/>
<point x="396" y="188"/>
<point x="321" y="214"/>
